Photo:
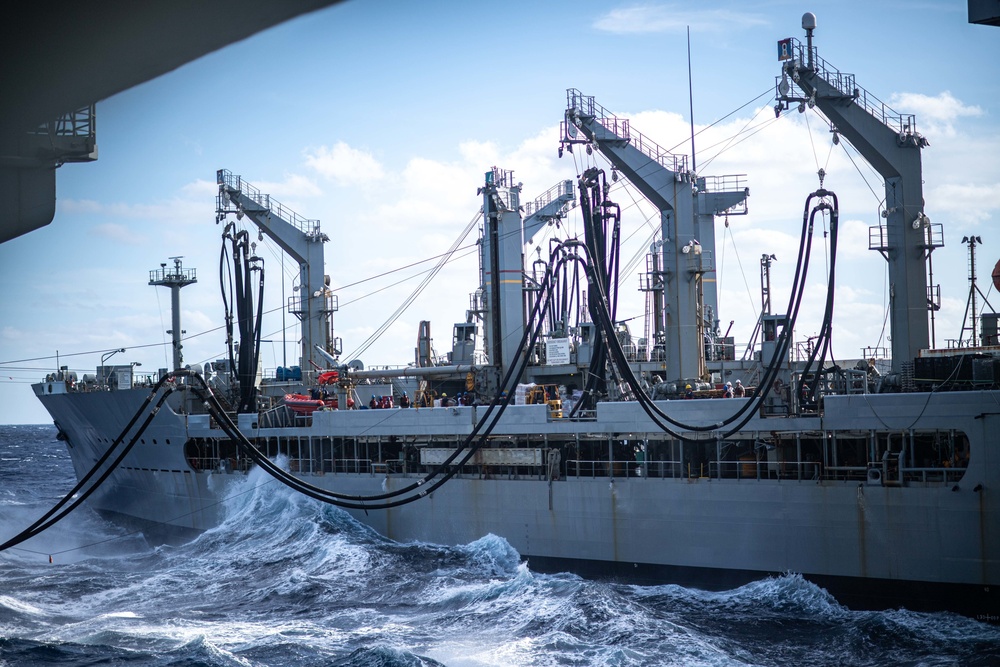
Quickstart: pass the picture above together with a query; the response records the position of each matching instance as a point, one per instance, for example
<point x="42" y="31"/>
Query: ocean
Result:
<point x="287" y="581"/>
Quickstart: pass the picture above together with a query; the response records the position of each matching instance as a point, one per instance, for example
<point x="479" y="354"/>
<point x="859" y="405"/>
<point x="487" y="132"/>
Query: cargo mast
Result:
<point x="890" y="143"/>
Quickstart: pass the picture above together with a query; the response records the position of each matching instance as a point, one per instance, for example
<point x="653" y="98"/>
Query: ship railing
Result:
<point x="561" y="189"/>
<point x="797" y="470"/>
<point x="216" y="465"/>
<point x="586" y="105"/>
<point x="234" y="182"/>
<point x="354" y="466"/>
<point x="932" y="475"/>
<point x="577" y="468"/>
<point x="203" y="463"/>
<point x="71" y="137"/>
<point x="921" y="475"/>
<point x="307" y="465"/>
<point x="847" y="473"/>
<point x="845" y="83"/>
<point x="581" y="415"/>
<point x="389" y="466"/>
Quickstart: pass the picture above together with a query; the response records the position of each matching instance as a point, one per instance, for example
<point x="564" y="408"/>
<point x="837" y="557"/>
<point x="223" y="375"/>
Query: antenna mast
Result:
<point x="175" y="279"/>
<point x="970" y="320"/>
<point x="694" y="164"/>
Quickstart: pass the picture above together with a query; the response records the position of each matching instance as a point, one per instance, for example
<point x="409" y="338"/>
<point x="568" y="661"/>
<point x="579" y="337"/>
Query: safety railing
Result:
<point x="586" y="106"/>
<point x="235" y="184"/>
<point x="70" y="138"/>
<point x="846" y="84"/>
<point x="213" y="464"/>
<point x="797" y="470"/>
<point x="78" y="123"/>
<point x="580" y="468"/>
<point x="562" y="190"/>
<point x="298" y="306"/>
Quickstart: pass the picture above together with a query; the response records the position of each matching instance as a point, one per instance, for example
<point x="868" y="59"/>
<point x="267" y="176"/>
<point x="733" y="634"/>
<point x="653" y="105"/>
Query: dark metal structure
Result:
<point x="58" y="59"/>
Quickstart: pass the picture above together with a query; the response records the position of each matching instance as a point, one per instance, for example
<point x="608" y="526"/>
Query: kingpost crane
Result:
<point x="687" y="206"/>
<point x="889" y="142"/>
<point x="303" y="241"/>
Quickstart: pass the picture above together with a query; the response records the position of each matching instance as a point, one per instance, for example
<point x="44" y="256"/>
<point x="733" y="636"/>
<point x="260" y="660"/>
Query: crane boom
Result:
<point x="889" y="142"/>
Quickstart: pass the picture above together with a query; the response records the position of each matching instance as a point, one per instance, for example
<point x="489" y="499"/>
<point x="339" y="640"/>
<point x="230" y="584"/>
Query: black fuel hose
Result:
<point x="62" y="508"/>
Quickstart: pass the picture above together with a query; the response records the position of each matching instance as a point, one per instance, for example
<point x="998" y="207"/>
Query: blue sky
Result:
<point x="380" y="117"/>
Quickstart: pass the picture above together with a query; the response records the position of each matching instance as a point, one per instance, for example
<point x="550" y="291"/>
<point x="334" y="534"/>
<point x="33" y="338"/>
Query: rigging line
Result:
<point x="62" y="355"/>
<point x="739" y="262"/>
<point x="851" y="158"/>
<point x="756" y="129"/>
<point x="643" y="251"/>
<point x="408" y="278"/>
<point x="296" y="324"/>
<point x="402" y="268"/>
<point x="732" y="143"/>
<point x="399" y="311"/>
<point x="624" y="183"/>
<point x="812" y="144"/>
<point x="826" y="167"/>
<point x="290" y="272"/>
<point x="281" y="307"/>
<point x="635" y="204"/>
<point x="419" y="289"/>
<point x="768" y="91"/>
<point x="747" y="128"/>
<point x="266" y="312"/>
<point x="922" y="410"/>
<point x="750" y="133"/>
<point x="648" y="219"/>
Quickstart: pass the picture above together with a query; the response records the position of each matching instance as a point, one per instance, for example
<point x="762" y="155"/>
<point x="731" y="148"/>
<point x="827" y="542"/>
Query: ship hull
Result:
<point x="873" y="543"/>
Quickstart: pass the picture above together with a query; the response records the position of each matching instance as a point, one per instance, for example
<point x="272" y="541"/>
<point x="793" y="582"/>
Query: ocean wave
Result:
<point x="385" y="656"/>
<point x="286" y="580"/>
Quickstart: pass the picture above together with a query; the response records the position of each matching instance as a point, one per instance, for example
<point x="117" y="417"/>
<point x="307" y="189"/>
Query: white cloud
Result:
<point x="968" y="203"/>
<point x="345" y="165"/>
<point x="119" y="233"/>
<point x="936" y="115"/>
<point x="674" y="18"/>
<point x="294" y="186"/>
<point x="200" y="189"/>
<point x="180" y="209"/>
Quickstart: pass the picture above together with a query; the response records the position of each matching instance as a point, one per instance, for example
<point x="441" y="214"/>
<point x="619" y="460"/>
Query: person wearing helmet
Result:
<point x="739" y="391"/>
<point x="688" y="393"/>
<point x="728" y="390"/>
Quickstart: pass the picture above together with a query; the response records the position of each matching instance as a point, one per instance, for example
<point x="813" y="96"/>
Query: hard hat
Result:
<point x="729" y="384"/>
<point x="687" y="386"/>
<point x="443" y="394"/>
<point x="738" y="382"/>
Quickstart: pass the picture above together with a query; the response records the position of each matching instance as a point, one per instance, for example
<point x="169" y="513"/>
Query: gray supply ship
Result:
<point x="587" y="447"/>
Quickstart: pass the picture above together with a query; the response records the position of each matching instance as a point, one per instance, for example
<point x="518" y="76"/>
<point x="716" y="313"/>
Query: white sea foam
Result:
<point x="19" y="606"/>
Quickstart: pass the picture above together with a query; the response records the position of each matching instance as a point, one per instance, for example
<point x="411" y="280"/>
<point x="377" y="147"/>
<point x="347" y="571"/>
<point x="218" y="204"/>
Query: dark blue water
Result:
<point x="286" y="581"/>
